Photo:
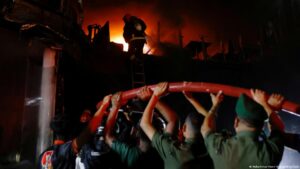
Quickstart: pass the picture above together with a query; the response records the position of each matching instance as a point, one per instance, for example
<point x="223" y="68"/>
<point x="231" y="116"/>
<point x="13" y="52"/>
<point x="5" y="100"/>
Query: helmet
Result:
<point x="126" y="17"/>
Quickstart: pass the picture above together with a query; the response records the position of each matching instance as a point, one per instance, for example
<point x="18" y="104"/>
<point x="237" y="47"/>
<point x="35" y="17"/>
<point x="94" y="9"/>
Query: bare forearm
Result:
<point x="274" y="119"/>
<point x="111" y="121"/>
<point x="101" y="109"/>
<point x="97" y="119"/>
<point x="146" y="121"/>
<point x="166" y="111"/>
<point x="200" y="109"/>
<point x="87" y="133"/>
<point x="148" y="113"/>
<point x="169" y="115"/>
<point x="209" y="123"/>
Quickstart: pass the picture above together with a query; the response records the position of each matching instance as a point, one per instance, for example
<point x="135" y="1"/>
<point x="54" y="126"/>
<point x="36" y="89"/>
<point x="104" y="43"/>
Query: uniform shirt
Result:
<point x="128" y="154"/>
<point x="58" y="157"/>
<point x="133" y="157"/>
<point x="244" y="150"/>
<point x="175" y="155"/>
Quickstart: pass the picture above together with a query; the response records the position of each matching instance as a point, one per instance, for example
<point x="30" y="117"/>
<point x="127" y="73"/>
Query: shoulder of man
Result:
<point x="215" y="142"/>
<point x="165" y="144"/>
<point x="45" y="159"/>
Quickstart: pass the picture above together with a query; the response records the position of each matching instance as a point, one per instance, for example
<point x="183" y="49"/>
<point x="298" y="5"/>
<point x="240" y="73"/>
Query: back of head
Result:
<point x="158" y="124"/>
<point x="193" y="122"/>
<point x="251" y="113"/>
<point x="142" y="136"/>
<point x="144" y="141"/>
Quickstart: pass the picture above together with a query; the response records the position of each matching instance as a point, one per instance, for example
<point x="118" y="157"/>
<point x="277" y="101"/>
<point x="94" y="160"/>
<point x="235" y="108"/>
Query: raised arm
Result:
<point x="88" y="132"/>
<point x="146" y="121"/>
<point x="112" y="117"/>
<point x="270" y="105"/>
<point x="209" y="123"/>
<point x="276" y="101"/>
<point x="169" y="115"/>
<point x="197" y="105"/>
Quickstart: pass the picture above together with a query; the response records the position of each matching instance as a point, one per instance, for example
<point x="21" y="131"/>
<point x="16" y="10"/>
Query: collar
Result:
<point x="252" y="134"/>
<point x="190" y="140"/>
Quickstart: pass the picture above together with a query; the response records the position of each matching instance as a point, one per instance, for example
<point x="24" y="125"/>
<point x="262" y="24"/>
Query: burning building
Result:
<point x="55" y="57"/>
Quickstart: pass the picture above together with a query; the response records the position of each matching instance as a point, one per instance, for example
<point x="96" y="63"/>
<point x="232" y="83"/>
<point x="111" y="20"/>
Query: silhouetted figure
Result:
<point x="134" y="35"/>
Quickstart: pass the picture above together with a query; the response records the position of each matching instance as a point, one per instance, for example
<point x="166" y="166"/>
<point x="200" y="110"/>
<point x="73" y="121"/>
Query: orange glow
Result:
<point x="119" y="39"/>
<point x="114" y="16"/>
<point x="147" y="49"/>
<point x="212" y="22"/>
<point x="168" y="32"/>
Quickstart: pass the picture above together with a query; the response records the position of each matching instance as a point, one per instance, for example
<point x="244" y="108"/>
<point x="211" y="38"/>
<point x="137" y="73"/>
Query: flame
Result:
<point x="192" y="22"/>
<point x="168" y="32"/>
<point x="119" y="39"/>
<point x="147" y="49"/>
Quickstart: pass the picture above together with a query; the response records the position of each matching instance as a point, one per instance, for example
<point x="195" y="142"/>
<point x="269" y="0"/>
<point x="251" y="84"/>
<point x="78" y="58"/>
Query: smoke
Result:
<point x="215" y="20"/>
<point x="165" y="10"/>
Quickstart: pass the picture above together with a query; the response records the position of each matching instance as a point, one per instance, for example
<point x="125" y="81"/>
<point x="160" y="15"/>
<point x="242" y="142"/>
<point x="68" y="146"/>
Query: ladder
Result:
<point x="137" y="73"/>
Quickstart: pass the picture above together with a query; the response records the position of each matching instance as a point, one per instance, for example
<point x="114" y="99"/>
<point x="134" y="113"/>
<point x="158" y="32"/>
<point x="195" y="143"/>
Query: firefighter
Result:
<point x="134" y="35"/>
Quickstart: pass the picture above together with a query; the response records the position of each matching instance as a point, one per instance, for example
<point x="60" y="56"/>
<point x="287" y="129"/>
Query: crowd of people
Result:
<point x="151" y="143"/>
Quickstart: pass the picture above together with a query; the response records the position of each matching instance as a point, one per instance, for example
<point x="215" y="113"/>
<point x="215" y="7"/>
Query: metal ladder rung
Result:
<point x="138" y="74"/>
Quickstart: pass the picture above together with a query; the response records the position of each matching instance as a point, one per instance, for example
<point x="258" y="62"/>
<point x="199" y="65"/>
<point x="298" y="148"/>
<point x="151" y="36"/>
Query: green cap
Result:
<point x="246" y="108"/>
